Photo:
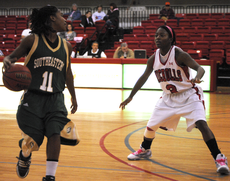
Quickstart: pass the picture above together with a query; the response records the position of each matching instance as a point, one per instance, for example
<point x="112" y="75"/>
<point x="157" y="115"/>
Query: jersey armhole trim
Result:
<point x="32" y="50"/>
<point x="67" y="53"/>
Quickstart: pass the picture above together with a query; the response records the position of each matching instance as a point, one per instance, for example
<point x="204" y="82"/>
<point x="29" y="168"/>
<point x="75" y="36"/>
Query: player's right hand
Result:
<point x="7" y="62"/>
<point x="124" y="103"/>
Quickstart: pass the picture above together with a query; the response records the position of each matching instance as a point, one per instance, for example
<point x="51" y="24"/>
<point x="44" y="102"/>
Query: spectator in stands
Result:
<point x="75" y="14"/>
<point x="99" y="14"/>
<point x="26" y="32"/>
<point x="167" y="12"/>
<point x="95" y="52"/>
<point x="70" y="34"/>
<point x="1" y="53"/>
<point x="87" y="20"/>
<point x="112" y="17"/>
<point x="123" y="52"/>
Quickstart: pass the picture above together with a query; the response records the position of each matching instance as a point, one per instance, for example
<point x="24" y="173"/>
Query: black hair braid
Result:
<point x="40" y="19"/>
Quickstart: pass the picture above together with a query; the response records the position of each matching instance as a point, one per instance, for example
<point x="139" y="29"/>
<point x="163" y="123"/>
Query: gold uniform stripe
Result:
<point x="35" y="44"/>
<point x="67" y="53"/>
<point x="47" y="44"/>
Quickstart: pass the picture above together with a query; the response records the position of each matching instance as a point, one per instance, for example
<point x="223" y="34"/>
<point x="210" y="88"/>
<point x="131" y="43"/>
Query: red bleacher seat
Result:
<point x="185" y="23"/>
<point x="73" y="43"/>
<point x="158" y="22"/>
<point x="203" y="30"/>
<point x="2" y="24"/>
<point x="2" y="18"/>
<point x="148" y="45"/>
<point x="146" y="23"/>
<point x="187" y="45"/>
<point x="133" y="44"/>
<point x="210" y="37"/>
<point x="152" y="37"/>
<point x="79" y="30"/>
<point x="210" y="22"/>
<point x="90" y="31"/>
<point x="191" y="15"/>
<point x="227" y="44"/>
<point x="181" y="15"/>
<point x="76" y="23"/>
<point x="217" y="45"/>
<point x="190" y="30"/>
<point x="129" y="37"/>
<point x="11" y="18"/>
<point x="228" y="56"/>
<point x="217" y="30"/>
<point x="227" y="15"/>
<point x="99" y="25"/>
<point x="223" y="22"/>
<point x="142" y="37"/>
<point x="195" y="54"/>
<point x="150" y="29"/>
<point x="217" y="15"/>
<point x="204" y="15"/>
<point x="22" y="18"/>
<point x="178" y="43"/>
<point x="9" y="44"/>
<point x="22" y="23"/>
<point x="117" y="44"/>
<point x="223" y="37"/>
<point x="217" y="54"/>
<point x="204" y="46"/>
<point x="196" y="37"/>
<point x="109" y="53"/>
<point x="182" y="37"/>
<point x="197" y="22"/>
<point x="153" y="16"/>
<point x="179" y="29"/>
<point x="171" y="22"/>
<point x="138" y="30"/>
<point x="11" y="24"/>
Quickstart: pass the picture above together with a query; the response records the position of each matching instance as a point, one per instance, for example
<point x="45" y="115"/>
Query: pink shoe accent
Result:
<point x="221" y="161"/>
<point x="137" y="152"/>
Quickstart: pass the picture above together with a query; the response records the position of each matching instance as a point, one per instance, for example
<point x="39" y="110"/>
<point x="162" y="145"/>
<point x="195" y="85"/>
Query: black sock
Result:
<point x="146" y="144"/>
<point x="212" y="145"/>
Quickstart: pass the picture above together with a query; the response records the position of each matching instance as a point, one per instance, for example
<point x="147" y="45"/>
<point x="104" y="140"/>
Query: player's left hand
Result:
<point x="73" y="106"/>
<point x="195" y="80"/>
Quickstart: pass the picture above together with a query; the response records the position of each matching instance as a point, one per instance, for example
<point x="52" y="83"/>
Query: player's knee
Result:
<point x="201" y="124"/>
<point x="149" y="129"/>
<point x="28" y="145"/>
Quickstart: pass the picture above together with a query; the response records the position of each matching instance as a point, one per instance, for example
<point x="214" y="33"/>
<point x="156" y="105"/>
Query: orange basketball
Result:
<point x="17" y="77"/>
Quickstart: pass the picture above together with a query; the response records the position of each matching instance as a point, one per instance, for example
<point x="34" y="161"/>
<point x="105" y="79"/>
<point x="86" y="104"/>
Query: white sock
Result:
<point x="51" y="167"/>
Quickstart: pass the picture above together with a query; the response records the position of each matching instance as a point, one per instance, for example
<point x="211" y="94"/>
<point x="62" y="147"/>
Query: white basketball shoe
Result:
<point x="139" y="154"/>
<point x="222" y="164"/>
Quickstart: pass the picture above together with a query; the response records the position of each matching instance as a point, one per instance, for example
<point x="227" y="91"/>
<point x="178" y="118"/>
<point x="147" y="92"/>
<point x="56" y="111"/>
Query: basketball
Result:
<point x="17" y="77"/>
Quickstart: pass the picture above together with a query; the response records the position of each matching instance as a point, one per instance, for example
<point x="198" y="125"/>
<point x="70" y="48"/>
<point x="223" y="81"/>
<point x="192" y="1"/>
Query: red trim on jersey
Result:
<point x="197" y="91"/>
<point x="167" y="57"/>
<point x="186" y="72"/>
<point x="149" y="129"/>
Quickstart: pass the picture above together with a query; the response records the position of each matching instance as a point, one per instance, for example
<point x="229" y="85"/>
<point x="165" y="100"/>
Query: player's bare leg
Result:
<point x="52" y="151"/>
<point x="144" y="151"/>
<point x="209" y="138"/>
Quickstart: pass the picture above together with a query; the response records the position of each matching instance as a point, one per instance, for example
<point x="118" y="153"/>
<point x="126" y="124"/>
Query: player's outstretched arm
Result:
<point x="183" y="58"/>
<point x="22" y="50"/>
<point x="70" y="83"/>
<point x="140" y="82"/>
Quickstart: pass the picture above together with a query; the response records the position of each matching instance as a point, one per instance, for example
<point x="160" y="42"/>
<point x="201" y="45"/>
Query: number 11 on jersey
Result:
<point x="49" y="87"/>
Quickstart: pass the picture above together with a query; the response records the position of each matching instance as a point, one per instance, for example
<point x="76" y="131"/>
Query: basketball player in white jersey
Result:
<point x="181" y="96"/>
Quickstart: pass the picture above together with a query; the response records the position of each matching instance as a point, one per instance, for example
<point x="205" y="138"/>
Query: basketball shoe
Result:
<point x="141" y="153"/>
<point x="48" y="178"/>
<point x="23" y="165"/>
<point x="222" y="164"/>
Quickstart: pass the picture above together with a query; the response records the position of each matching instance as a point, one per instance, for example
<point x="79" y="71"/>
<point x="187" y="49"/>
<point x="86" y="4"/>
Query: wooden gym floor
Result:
<point x="108" y="135"/>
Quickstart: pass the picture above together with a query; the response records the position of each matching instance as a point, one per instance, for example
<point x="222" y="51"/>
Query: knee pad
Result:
<point x="28" y="145"/>
<point x="149" y="133"/>
<point x="69" y="134"/>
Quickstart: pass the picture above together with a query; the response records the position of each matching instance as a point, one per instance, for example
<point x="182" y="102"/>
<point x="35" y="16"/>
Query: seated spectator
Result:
<point x="123" y="52"/>
<point x="99" y="14"/>
<point x="75" y="14"/>
<point x="70" y="34"/>
<point x="26" y="32"/>
<point x="87" y="20"/>
<point x="112" y="17"/>
<point x="167" y="12"/>
<point x="95" y="52"/>
<point x="1" y="53"/>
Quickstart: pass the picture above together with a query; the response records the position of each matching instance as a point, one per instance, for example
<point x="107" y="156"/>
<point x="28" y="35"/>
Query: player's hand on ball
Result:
<point x="195" y="80"/>
<point x="7" y="62"/>
<point x="73" y="106"/>
<point x="124" y="103"/>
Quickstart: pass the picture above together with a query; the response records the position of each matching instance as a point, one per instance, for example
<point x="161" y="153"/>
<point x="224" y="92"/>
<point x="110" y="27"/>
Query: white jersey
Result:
<point x="172" y="77"/>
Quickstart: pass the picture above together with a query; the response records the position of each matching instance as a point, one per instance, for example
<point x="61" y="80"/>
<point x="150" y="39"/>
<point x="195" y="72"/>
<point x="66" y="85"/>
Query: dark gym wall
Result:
<point x="67" y="3"/>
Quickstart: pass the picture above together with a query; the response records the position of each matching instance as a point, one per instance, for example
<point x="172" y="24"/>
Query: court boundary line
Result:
<point x="102" y="145"/>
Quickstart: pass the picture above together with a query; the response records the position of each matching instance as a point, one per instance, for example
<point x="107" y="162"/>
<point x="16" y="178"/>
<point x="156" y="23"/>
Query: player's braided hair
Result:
<point x="40" y="19"/>
<point x="171" y="33"/>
